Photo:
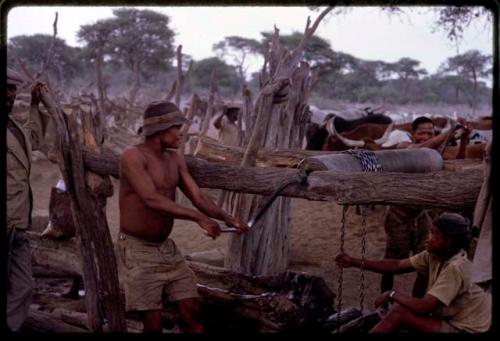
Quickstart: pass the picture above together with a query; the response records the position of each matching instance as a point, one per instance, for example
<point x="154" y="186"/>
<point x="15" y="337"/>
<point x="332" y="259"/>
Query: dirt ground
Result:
<point x="315" y="237"/>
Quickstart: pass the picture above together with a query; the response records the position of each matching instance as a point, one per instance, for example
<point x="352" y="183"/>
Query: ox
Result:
<point x="337" y="134"/>
<point x="472" y="151"/>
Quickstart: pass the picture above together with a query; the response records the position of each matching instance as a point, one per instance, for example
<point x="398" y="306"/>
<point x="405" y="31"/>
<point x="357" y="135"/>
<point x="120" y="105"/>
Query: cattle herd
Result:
<point x="375" y="130"/>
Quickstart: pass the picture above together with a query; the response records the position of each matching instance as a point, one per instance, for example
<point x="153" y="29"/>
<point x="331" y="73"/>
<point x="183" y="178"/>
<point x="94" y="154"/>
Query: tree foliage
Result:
<point x="227" y="76"/>
<point x="66" y="61"/>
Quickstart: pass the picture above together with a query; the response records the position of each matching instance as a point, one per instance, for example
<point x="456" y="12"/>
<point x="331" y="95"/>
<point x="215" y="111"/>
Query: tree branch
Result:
<point x="50" y="50"/>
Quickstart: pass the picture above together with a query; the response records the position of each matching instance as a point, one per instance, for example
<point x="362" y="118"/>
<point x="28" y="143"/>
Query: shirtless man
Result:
<point x="150" y="263"/>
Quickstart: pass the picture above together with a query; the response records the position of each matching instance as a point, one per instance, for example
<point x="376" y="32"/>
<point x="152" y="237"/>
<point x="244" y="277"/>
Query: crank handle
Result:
<point x="232" y="228"/>
<point x="228" y="229"/>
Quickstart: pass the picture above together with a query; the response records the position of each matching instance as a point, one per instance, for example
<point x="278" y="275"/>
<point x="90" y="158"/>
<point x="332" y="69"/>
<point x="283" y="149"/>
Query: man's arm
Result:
<point x="218" y="121"/>
<point x="389" y="266"/>
<point x="133" y="168"/>
<point x="464" y="138"/>
<point x="37" y="120"/>
<point x="423" y="305"/>
<point x="433" y="142"/>
<point x="202" y="201"/>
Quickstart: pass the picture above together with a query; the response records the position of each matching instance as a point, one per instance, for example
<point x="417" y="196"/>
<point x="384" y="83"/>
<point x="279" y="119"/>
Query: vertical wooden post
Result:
<point x="264" y="250"/>
<point x="88" y="194"/>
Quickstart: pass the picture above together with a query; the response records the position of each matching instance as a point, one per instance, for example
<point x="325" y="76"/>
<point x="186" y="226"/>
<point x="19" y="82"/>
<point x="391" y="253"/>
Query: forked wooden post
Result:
<point x="88" y="194"/>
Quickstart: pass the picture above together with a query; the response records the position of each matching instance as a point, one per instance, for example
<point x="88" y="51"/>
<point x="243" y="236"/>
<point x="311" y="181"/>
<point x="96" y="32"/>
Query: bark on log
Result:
<point x="291" y="300"/>
<point x="40" y="321"/>
<point x="231" y="155"/>
<point x="178" y="88"/>
<point x="100" y="275"/>
<point x="205" y="124"/>
<point x="442" y="189"/>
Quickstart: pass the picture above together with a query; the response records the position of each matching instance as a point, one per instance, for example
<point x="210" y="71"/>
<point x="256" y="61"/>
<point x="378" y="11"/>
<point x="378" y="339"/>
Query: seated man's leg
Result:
<point x="189" y="309"/>
<point x="398" y="239"/>
<point x="400" y="317"/>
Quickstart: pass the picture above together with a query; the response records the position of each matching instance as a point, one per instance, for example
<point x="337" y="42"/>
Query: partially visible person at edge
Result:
<point x="149" y="262"/>
<point x="226" y="124"/>
<point x="21" y="140"/>
<point x="452" y="303"/>
<point x="406" y="227"/>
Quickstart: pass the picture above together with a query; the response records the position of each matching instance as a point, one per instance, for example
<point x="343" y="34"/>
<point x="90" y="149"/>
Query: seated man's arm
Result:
<point x="433" y="142"/>
<point x="201" y="201"/>
<point x="388" y="266"/>
<point x="423" y="305"/>
<point x="133" y="168"/>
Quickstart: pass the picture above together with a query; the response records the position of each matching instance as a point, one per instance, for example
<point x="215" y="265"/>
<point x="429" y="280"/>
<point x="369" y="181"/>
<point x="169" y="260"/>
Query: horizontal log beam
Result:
<point x="443" y="189"/>
<point x="265" y="300"/>
<point x="40" y="321"/>
<point x="209" y="150"/>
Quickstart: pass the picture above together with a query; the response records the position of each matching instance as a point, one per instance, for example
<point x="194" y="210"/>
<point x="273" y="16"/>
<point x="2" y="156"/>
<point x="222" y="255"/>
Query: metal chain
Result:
<point x="341" y="272"/>
<point x="367" y="159"/>
<point x="369" y="163"/>
<point x="363" y="251"/>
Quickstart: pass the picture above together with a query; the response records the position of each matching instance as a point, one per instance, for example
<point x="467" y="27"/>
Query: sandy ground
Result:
<point x="315" y="237"/>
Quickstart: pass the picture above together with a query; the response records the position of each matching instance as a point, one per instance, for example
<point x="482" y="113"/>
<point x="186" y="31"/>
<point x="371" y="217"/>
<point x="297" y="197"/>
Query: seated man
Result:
<point x="149" y="262"/>
<point x="452" y="303"/>
<point x="406" y="227"/>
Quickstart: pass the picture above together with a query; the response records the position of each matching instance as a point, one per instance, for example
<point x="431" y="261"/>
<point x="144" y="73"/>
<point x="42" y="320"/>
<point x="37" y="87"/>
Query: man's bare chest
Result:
<point x="164" y="172"/>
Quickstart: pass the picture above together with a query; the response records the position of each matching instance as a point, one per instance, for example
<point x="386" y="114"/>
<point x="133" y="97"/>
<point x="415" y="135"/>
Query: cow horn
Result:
<point x="384" y="137"/>
<point x="447" y="127"/>
<point x="329" y="126"/>
<point x="345" y="140"/>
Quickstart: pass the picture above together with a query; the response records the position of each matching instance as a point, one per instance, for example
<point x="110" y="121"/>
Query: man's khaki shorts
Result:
<point x="446" y="327"/>
<point x="147" y="270"/>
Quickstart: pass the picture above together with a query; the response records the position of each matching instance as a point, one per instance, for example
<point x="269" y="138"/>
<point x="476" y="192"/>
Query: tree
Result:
<point x="227" y="76"/>
<point x="238" y="49"/>
<point x="454" y="19"/>
<point x="406" y="69"/>
<point x="318" y="51"/>
<point x="141" y="40"/>
<point x="65" y="63"/>
<point x="471" y="66"/>
<point x="96" y="37"/>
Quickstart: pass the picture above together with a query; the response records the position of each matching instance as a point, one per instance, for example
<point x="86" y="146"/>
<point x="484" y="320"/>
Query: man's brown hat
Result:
<point x="161" y="115"/>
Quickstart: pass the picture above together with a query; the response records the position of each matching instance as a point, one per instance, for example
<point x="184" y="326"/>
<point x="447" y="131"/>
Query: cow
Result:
<point x="336" y="133"/>
<point x="472" y="151"/>
<point x="370" y="136"/>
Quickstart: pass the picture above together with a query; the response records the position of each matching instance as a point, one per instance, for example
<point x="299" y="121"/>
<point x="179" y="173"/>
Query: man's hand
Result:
<point x="211" y="227"/>
<point x="343" y="260"/>
<point x="36" y="92"/>
<point x="466" y="129"/>
<point x="241" y="226"/>
<point x="382" y="299"/>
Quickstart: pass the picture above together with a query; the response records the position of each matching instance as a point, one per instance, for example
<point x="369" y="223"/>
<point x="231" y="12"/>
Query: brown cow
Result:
<point x="483" y="123"/>
<point x="369" y="136"/>
<point x="472" y="151"/>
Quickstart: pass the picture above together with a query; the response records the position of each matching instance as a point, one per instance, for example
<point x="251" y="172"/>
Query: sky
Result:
<point x="364" y="32"/>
